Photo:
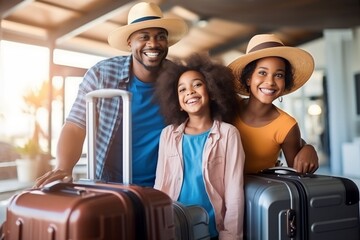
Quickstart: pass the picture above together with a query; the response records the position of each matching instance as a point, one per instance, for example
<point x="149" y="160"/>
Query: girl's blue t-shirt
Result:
<point x="193" y="189"/>
<point x="147" y="123"/>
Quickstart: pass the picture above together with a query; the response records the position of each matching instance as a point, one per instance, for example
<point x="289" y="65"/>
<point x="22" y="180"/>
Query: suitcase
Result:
<point x="91" y="209"/>
<point x="283" y="204"/>
<point x="191" y="222"/>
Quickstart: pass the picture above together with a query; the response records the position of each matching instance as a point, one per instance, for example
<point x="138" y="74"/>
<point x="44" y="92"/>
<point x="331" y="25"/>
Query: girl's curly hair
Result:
<point x="219" y="81"/>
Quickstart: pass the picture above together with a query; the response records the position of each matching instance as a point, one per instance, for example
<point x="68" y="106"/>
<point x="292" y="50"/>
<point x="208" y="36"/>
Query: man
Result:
<point x="147" y="36"/>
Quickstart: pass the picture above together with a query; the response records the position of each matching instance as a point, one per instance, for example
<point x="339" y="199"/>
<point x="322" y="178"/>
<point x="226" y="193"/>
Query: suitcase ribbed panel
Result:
<point x="317" y="206"/>
<point x="86" y="215"/>
<point x="192" y="222"/>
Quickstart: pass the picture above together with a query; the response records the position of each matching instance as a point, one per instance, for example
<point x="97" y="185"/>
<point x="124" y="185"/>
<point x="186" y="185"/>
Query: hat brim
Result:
<point x="176" y="28"/>
<point x="301" y="61"/>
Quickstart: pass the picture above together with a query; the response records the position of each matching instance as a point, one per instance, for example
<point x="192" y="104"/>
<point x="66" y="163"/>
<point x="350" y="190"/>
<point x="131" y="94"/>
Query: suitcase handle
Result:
<point x="59" y="186"/>
<point x="91" y="130"/>
<point x="280" y="170"/>
<point x="286" y="171"/>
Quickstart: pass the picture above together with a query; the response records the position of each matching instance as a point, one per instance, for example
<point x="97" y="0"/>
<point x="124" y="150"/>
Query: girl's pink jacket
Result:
<point x="223" y="165"/>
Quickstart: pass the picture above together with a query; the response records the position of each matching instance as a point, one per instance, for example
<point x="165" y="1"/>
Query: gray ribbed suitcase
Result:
<point x="191" y="222"/>
<point x="282" y="204"/>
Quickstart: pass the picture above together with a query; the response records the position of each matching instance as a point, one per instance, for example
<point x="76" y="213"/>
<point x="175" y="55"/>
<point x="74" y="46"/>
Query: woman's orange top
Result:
<point x="262" y="144"/>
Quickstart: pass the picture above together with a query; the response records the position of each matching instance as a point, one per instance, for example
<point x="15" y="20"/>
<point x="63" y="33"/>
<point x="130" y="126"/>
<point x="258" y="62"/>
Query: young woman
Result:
<point x="201" y="157"/>
<point x="265" y="73"/>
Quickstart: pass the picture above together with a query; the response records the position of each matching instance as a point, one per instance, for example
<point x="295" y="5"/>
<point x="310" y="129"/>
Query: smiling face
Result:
<point x="267" y="82"/>
<point x="192" y="93"/>
<point x="149" y="47"/>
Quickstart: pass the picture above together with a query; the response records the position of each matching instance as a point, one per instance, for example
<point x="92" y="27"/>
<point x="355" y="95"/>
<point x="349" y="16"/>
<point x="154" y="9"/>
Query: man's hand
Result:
<point x="54" y="175"/>
<point x="306" y="160"/>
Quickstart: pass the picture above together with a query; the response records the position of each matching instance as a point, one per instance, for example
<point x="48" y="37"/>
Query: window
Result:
<point x="24" y="71"/>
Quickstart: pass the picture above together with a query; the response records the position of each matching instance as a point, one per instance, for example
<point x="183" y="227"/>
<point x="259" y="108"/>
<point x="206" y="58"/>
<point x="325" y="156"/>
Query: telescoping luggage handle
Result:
<point x="91" y="98"/>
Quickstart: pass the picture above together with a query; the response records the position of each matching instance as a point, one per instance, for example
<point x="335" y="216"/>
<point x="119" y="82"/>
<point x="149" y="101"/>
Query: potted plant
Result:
<point x="29" y="161"/>
<point x="32" y="156"/>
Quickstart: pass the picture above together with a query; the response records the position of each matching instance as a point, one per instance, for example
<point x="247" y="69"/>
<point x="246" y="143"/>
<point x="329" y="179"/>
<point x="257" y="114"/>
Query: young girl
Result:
<point x="266" y="72"/>
<point x="201" y="157"/>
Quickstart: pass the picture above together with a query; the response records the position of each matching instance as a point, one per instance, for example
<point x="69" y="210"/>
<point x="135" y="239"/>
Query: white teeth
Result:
<point x="267" y="91"/>
<point x="151" y="54"/>
<point x="192" y="100"/>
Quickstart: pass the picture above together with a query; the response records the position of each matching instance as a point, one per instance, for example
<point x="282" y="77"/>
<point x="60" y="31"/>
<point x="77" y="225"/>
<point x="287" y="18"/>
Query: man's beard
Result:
<point x="151" y="68"/>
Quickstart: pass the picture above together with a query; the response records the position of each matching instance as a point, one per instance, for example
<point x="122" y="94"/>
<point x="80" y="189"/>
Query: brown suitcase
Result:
<point x="88" y="210"/>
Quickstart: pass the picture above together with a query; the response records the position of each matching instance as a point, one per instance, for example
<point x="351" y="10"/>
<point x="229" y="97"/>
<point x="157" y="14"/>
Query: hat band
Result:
<point x="144" y="19"/>
<point x="266" y="45"/>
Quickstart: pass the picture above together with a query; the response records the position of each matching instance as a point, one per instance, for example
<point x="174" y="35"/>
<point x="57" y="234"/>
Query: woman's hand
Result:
<point x="306" y="160"/>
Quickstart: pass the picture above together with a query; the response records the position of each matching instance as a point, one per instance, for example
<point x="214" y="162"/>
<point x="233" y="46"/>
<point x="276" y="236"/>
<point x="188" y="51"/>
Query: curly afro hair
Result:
<point x="219" y="81"/>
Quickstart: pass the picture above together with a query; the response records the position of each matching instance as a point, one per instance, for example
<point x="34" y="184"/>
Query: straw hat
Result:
<point x="268" y="45"/>
<point x="147" y="15"/>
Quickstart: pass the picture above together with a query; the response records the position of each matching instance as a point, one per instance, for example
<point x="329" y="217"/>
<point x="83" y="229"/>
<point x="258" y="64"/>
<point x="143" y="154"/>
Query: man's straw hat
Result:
<point x="147" y="15"/>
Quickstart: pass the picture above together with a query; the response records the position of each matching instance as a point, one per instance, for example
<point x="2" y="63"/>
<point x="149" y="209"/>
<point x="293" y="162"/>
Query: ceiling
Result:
<point x="216" y="26"/>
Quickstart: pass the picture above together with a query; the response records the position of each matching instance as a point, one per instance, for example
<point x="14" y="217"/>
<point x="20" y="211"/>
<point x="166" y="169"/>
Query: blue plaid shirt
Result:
<point x="109" y="73"/>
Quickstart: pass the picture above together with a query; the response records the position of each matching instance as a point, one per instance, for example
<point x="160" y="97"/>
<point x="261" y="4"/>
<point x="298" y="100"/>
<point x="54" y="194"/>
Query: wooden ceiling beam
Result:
<point x="76" y="26"/>
<point x="8" y="7"/>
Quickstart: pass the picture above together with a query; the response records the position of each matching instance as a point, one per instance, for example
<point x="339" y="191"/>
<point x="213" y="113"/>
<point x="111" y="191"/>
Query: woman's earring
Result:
<point x="280" y="99"/>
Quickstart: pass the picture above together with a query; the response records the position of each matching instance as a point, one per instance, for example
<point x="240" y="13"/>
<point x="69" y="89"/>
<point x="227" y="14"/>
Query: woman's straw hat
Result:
<point x="147" y="15"/>
<point x="268" y="45"/>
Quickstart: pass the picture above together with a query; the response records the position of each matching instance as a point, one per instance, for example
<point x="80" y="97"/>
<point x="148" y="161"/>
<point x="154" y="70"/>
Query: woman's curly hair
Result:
<point x="219" y="81"/>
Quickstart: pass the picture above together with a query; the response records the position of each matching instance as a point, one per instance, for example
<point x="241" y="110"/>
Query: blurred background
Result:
<point x="46" y="46"/>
